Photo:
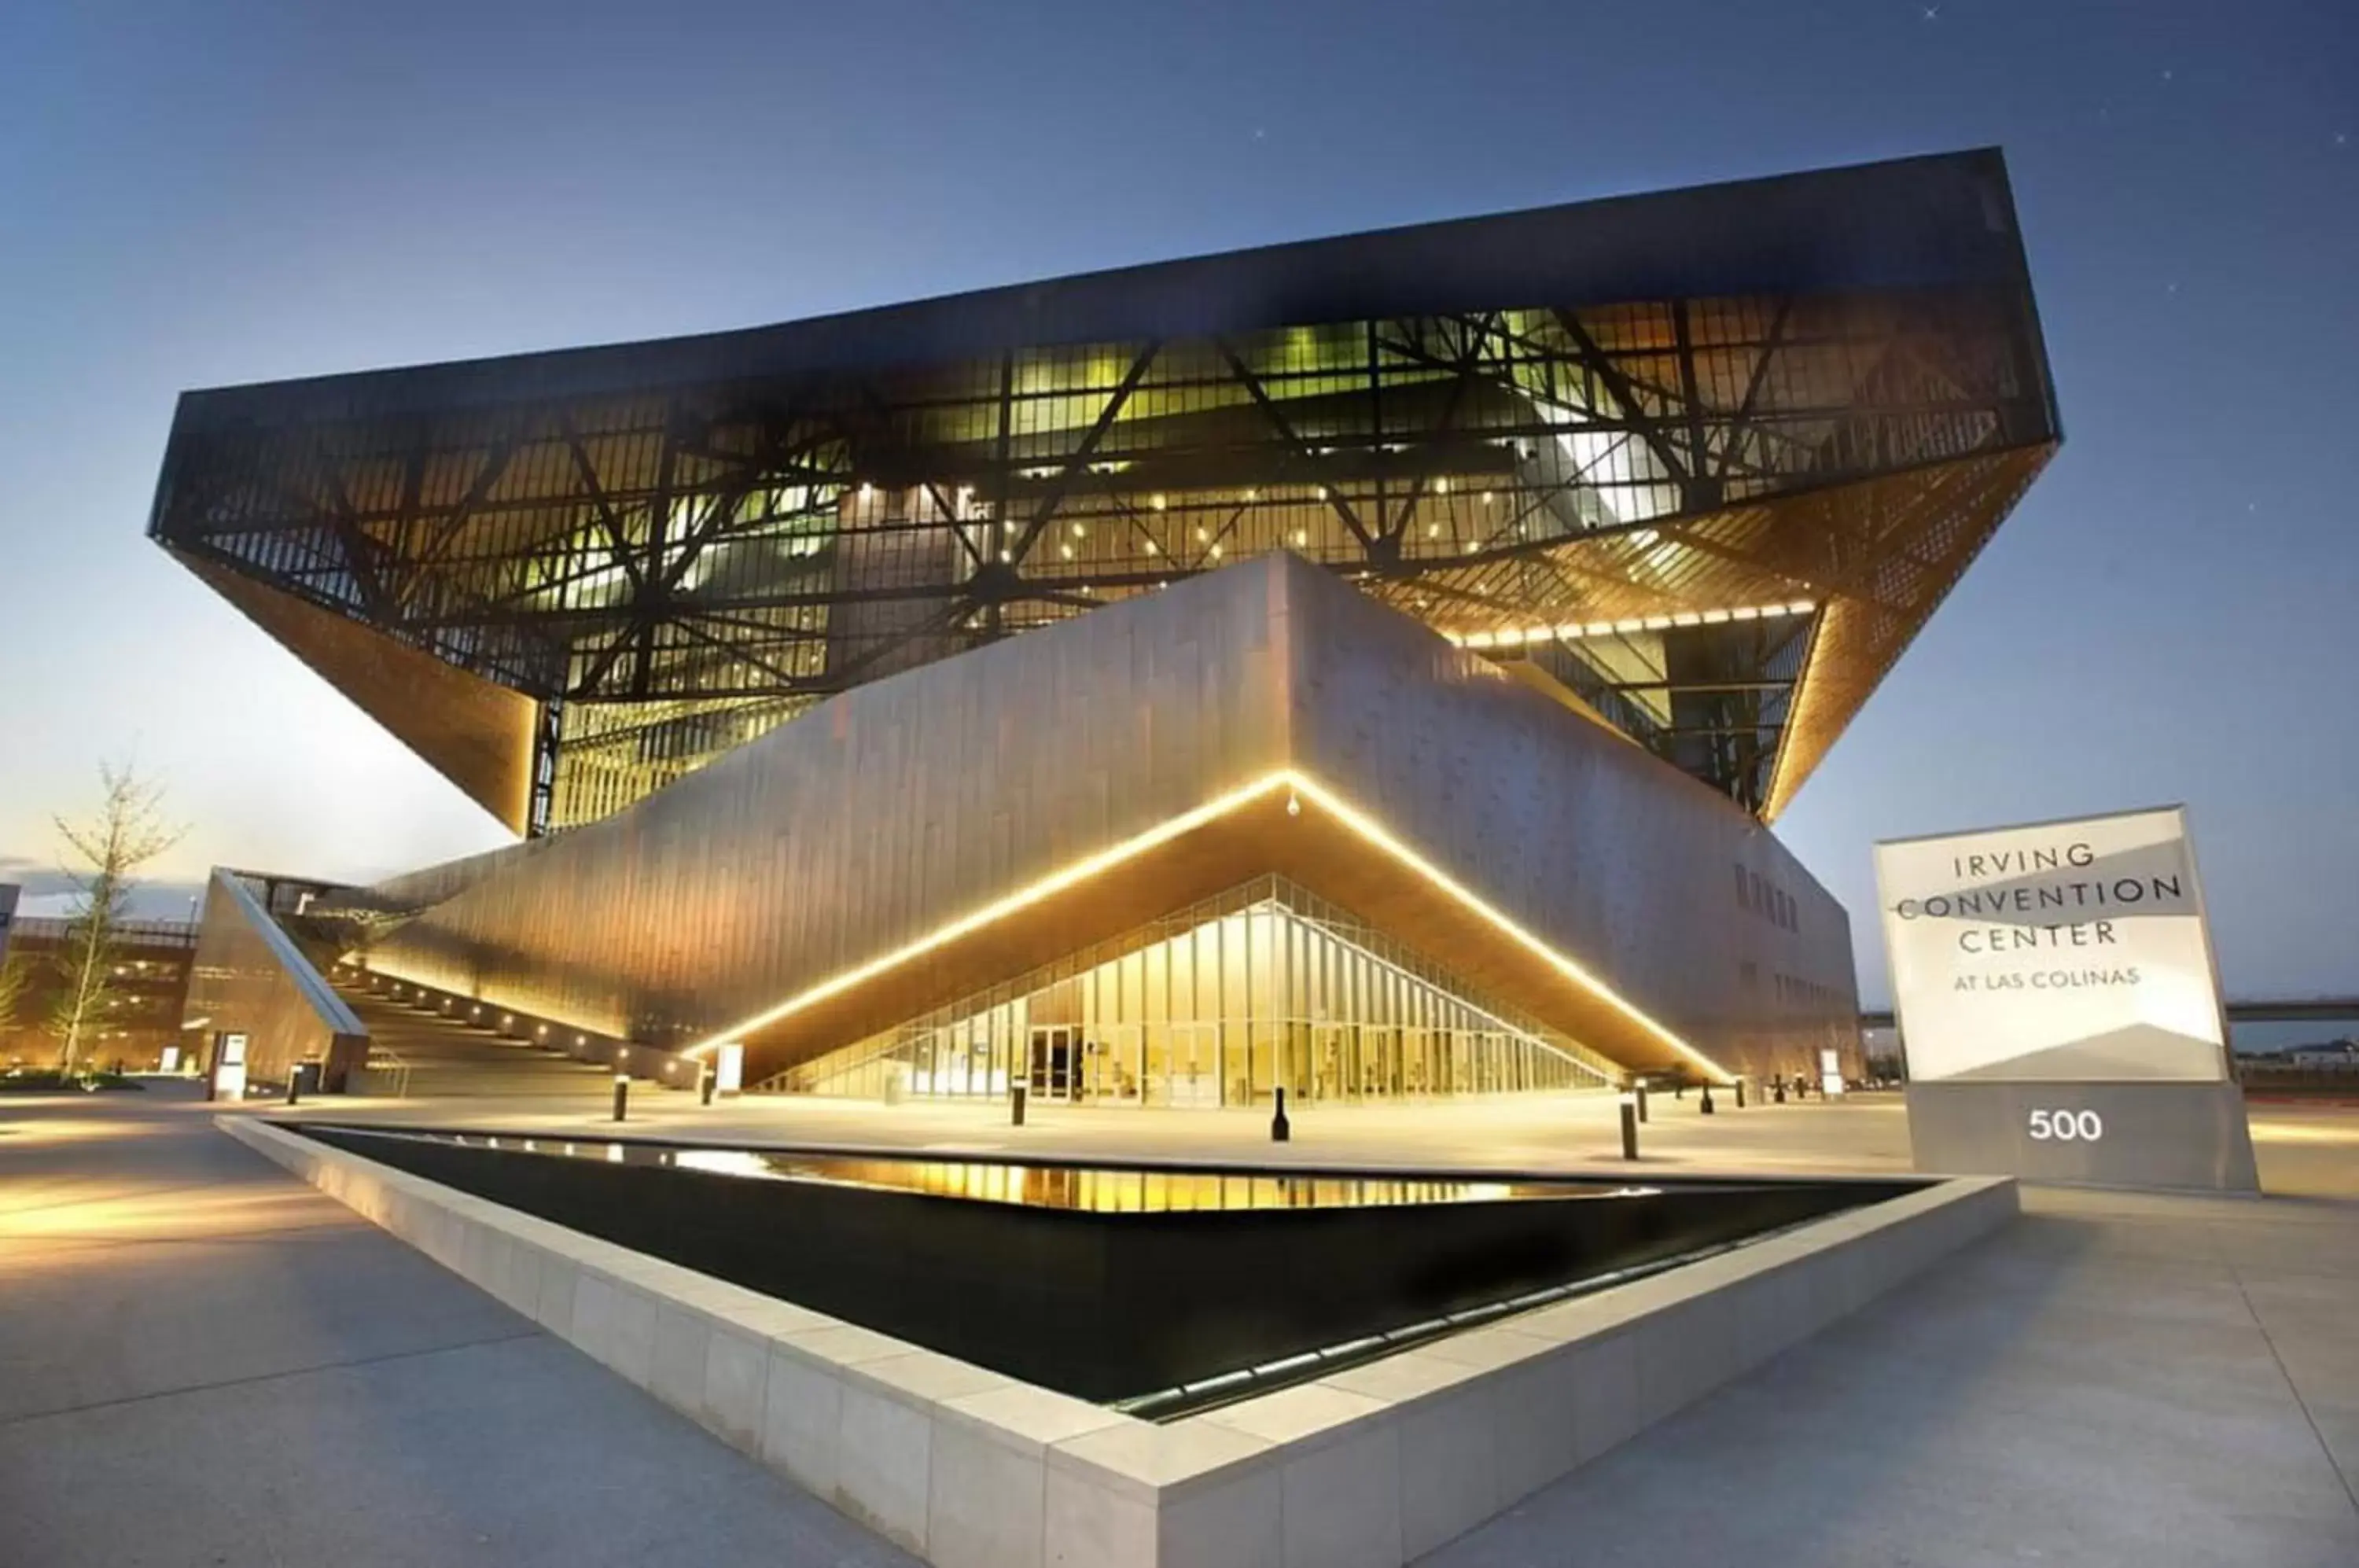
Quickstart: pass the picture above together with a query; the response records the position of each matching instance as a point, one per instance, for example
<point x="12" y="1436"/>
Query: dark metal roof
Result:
<point x="1925" y="221"/>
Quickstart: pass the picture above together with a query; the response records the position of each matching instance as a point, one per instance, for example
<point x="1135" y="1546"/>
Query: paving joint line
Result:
<point x="66" y="1239"/>
<point x="269" y="1188"/>
<point x="30" y="1416"/>
<point x="2324" y="1448"/>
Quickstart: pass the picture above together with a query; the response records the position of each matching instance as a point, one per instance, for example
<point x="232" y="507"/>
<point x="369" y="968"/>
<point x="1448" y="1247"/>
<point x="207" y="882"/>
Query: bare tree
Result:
<point x="16" y="977"/>
<point x="127" y="832"/>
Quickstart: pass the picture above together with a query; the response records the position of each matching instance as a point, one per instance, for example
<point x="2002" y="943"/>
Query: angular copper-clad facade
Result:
<point x="1703" y="461"/>
<point x="929" y="835"/>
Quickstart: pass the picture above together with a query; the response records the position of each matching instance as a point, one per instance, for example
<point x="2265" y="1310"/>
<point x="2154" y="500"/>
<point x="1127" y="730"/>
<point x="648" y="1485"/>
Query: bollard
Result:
<point x="1016" y="1106"/>
<point x="1706" y="1107"/>
<point x="1281" y="1130"/>
<point x="710" y="1077"/>
<point x="1740" y="1094"/>
<point x="622" y="1094"/>
<point x="1642" y="1099"/>
<point x="1781" y="1091"/>
<point x="1629" y="1126"/>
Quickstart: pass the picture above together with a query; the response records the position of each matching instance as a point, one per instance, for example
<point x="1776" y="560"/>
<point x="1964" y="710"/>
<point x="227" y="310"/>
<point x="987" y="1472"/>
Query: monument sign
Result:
<point x="2058" y="1004"/>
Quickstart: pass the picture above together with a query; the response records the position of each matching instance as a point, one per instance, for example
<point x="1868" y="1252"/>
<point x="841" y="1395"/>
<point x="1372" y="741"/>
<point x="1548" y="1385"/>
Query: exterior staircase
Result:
<point x="418" y="1053"/>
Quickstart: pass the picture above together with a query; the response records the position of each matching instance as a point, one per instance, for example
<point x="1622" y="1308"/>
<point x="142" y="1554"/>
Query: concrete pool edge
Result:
<point x="1374" y="1465"/>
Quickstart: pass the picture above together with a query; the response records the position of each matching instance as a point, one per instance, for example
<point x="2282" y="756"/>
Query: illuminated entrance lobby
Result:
<point x="1267" y="985"/>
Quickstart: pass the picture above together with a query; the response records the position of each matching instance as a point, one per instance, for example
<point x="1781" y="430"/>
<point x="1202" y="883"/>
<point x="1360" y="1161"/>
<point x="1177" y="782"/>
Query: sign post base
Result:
<point x="2182" y="1136"/>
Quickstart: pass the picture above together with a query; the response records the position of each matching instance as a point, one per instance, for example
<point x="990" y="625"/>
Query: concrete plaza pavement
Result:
<point x="2114" y="1379"/>
<point x="204" y="1361"/>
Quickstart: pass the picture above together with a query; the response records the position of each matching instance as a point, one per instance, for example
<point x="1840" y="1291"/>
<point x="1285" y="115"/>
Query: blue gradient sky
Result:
<point x="226" y="192"/>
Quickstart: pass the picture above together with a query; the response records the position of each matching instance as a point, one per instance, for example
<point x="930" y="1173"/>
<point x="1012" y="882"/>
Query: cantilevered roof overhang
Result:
<point x="1634" y="418"/>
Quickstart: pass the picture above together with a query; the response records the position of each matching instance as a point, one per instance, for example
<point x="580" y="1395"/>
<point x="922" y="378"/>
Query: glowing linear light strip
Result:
<point x="1022" y="898"/>
<point x="1516" y="636"/>
<point x="1298" y="784"/>
<point x="1374" y="832"/>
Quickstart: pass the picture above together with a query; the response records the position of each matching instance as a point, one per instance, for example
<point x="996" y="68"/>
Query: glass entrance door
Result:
<point x="1195" y="1064"/>
<point x="1056" y="1065"/>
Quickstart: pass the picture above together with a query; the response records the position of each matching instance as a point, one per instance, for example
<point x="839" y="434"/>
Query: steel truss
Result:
<point x="1598" y="491"/>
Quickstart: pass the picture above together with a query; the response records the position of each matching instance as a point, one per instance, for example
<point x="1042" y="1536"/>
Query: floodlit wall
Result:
<point x="804" y="862"/>
<point x="249" y="977"/>
<point x="1686" y="904"/>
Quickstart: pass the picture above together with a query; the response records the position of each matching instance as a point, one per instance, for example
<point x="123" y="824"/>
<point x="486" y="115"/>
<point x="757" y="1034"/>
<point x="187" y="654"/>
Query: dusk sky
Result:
<point x="198" y="194"/>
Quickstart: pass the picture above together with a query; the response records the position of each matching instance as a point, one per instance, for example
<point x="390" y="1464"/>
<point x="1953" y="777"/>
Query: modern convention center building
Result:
<point x="1368" y="666"/>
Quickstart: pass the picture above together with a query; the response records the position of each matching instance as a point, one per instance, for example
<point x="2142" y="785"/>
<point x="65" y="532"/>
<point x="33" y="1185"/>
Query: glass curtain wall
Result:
<point x="1266" y="985"/>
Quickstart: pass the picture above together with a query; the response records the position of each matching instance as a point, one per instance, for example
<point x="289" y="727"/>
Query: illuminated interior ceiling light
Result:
<point x="865" y="490"/>
<point x="1154" y="548"/>
<point x="1066" y="551"/>
<point x="1156" y="502"/>
<point x="1800" y="607"/>
<point x="1687" y="618"/>
<point x="1656" y="623"/>
<point x="1746" y="614"/>
<point x="1298" y="787"/>
<point x="1302" y="536"/>
<point x="1631" y="624"/>
<point x="1253" y="495"/>
<point x="1078" y="530"/>
<point x="1441" y="486"/>
<point x="1203" y="534"/>
<point x="1433" y="530"/>
<point x="1004" y="557"/>
<point x="1487" y="497"/>
<point x="1714" y="618"/>
<point x="1217" y="550"/>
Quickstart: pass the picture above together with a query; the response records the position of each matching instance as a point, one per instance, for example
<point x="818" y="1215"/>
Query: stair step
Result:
<point x="447" y="1057"/>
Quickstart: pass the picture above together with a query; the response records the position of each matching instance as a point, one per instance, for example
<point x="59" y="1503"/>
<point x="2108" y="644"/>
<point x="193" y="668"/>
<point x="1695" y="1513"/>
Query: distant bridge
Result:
<point x="2300" y="1011"/>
